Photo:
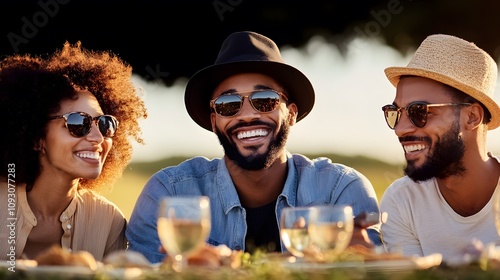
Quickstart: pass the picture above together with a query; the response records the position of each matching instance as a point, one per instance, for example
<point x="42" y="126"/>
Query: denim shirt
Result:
<point x="309" y="182"/>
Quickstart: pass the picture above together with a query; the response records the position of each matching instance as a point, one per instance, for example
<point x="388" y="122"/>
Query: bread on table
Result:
<point x="213" y="257"/>
<point x="56" y="255"/>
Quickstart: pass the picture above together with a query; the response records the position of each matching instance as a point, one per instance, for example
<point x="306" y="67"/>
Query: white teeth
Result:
<point x="88" y="155"/>
<point x="413" y="148"/>
<point x="252" y="133"/>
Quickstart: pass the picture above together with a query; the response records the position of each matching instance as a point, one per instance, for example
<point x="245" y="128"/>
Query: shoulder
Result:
<point x="405" y="188"/>
<point x="302" y="161"/>
<point x="324" y="165"/>
<point x="194" y="167"/>
<point x="96" y="202"/>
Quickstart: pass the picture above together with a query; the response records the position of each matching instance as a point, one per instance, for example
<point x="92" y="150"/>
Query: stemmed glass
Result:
<point x="496" y="211"/>
<point x="330" y="229"/>
<point x="294" y="233"/>
<point x="183" y="226"/>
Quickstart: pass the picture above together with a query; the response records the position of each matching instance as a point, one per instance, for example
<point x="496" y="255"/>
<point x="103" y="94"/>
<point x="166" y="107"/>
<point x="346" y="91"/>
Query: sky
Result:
<point x="346" y="119"/>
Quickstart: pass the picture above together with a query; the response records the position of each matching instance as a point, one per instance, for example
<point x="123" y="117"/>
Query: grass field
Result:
<point x="127" y="189"/>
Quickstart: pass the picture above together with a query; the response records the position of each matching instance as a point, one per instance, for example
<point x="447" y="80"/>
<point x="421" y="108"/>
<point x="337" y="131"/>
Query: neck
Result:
<point x="468" y="193"/>
<point x="50" y="196"/>
<point x="258" y="187"/>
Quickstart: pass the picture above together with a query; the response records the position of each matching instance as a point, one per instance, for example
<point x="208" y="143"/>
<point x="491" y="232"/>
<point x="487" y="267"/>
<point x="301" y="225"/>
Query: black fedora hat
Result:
<point x="246" y="52"/>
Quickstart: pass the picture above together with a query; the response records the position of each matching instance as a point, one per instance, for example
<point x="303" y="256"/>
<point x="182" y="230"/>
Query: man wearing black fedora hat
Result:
<point x="441" y="114"/>
<point x="250" y="98"/>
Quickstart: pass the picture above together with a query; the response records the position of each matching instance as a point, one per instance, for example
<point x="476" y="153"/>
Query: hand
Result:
<point x="162" y="250"/>
<point x="360" y="237"/>
<point x="366" y="219"/>
<point x="359" y="234"/>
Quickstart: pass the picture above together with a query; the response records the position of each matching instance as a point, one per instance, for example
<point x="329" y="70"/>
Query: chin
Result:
<point x="92" y="176"/>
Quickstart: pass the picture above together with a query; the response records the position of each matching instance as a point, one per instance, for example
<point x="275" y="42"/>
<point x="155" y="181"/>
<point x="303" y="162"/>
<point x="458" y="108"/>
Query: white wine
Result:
<point x="182" y="236"/>
<point x="330" y="237"/>
<point x="296" y="240"/>
<point x="496" y="210"/>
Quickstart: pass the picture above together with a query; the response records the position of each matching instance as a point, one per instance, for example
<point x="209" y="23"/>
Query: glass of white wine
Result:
<point x="183" y="226"/>
<point x="294" y="233"/>
<point x="330" y="229"/>
<point x="496" y="212"/>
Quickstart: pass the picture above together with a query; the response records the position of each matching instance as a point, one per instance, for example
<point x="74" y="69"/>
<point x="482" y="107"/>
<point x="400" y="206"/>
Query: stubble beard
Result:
<point x="445" y="159"/>
<point x="255" y="161"/>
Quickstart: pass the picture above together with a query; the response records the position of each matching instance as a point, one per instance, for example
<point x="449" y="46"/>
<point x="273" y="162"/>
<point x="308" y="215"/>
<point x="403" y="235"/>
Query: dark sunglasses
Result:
<point x="79" y="124"/>
<point x="417" y="112"/>
<point x="264" y="101"/>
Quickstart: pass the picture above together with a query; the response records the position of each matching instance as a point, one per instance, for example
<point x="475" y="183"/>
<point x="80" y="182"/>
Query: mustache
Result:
<point x="252" y="123"/>
<point x="413" y="138"/>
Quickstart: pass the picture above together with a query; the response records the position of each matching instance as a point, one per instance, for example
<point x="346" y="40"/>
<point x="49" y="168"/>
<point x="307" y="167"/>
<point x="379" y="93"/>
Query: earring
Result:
<point x="38" y="147"/>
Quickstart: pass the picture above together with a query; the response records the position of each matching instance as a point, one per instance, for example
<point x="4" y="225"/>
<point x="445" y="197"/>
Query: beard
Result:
<point x="445" y="159"/>
<point x="255" y="161"/>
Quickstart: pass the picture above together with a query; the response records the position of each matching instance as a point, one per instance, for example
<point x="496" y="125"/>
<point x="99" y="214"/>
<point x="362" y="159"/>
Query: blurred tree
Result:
<point x="167" y="40"/>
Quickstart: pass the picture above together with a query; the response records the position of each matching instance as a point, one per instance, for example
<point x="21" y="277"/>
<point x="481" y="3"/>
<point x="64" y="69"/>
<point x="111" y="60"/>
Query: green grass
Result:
<point x="381" y="174"/>
<point x="127" y="189"/>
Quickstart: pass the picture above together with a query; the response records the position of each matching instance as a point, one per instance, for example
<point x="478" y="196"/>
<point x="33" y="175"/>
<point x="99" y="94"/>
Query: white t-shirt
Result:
<point x="420" y="221"/>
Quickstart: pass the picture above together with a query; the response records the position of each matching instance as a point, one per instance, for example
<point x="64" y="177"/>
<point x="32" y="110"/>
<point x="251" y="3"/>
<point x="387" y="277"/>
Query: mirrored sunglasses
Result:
<point x="417" y="112"/>
<point x="79" y="124"/>
<point x="230" y="104"/>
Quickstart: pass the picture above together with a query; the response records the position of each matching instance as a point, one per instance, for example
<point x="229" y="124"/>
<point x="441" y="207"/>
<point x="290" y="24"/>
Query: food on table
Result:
<point x="56" y="255"/>
<point x="368" y="254"/>
<point x="213" y="257"/>
<point x="126" y="259"/>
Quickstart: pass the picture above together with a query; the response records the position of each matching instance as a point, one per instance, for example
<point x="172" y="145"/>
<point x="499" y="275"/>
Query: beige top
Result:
<point x="90" y="223"/>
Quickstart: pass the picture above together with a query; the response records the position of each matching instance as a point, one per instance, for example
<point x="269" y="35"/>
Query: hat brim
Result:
<point x="394" y="74"/>
<point x="200" y="87"/>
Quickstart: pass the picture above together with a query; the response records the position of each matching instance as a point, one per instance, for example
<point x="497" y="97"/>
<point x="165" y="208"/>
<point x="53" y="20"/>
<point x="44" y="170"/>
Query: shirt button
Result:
<point x="68" y="226"/>
<point x="237" y="248"/>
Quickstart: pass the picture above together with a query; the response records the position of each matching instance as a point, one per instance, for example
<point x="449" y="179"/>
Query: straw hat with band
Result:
<point x="246" y="52"/>
<point x="457" y="63"/>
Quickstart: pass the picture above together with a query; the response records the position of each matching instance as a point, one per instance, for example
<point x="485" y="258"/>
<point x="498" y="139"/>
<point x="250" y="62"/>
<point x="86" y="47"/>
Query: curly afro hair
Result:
<point x="32" y="88"/>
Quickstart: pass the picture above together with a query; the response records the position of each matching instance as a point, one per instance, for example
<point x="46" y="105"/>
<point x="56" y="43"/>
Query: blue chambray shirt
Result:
<point x="309" y="182"/>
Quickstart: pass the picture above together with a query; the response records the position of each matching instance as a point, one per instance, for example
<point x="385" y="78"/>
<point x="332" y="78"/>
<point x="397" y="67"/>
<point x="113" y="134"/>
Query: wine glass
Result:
<point x="183" y="226"/>
<point x="294" y="233"/>
<point x="496" y="211"/>
<point x="331" y="228"/>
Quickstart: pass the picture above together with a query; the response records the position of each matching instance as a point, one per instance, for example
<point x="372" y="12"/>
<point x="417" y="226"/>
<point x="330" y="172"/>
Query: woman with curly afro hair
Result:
<point x="70" y="118"/>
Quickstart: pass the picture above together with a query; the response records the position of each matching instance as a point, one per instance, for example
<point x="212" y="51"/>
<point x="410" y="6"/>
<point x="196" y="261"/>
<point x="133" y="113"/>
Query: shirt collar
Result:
<point x="229" y="197"/>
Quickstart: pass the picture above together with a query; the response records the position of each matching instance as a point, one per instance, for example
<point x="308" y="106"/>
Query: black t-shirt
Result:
<point x="263" y="230"/>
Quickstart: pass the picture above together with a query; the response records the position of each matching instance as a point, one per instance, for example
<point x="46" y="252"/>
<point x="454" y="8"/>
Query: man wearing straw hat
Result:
<point x="250" y="98"/>
<point x="441" y="114"/>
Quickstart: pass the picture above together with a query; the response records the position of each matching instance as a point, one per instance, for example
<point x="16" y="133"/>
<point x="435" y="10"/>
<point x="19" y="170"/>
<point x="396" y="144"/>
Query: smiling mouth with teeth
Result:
<point x="414" y="148"/>
<point x="88" y="155"/>
<point x="252" y="133"/>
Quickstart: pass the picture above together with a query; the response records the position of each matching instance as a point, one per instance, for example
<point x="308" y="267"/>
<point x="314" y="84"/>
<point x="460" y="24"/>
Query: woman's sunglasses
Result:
<point x="417" y="112"/>
<point x="264" y="101"/>
<point x="79" y="124"/>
